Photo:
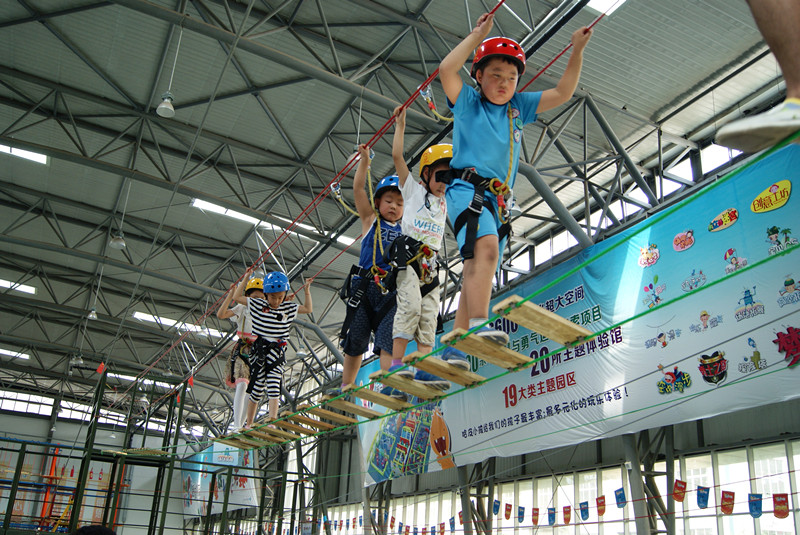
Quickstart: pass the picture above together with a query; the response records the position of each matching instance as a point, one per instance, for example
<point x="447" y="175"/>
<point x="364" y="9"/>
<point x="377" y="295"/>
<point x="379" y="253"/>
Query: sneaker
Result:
<point x="431" y="380"/>
<point x="456" y="357"/>
<point x="493" y="335"/>
<point x="395" y="393"/>
<point x="405" y="372"/>
<point x="335" y="393"/>
<point x="764" y="130"/>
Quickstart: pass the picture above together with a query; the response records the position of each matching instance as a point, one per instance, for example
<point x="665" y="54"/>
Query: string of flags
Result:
<point x="780" y="508"/>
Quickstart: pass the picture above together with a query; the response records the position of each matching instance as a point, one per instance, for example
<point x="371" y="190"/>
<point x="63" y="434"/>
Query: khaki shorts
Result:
<point x="415" y="318"/>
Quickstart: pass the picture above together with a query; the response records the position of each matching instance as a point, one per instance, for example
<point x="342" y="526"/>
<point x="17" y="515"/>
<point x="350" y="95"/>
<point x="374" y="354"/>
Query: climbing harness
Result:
<point x="499" y="188"/>
<point x="257" y="361"/>
<point x="406" y="251"/>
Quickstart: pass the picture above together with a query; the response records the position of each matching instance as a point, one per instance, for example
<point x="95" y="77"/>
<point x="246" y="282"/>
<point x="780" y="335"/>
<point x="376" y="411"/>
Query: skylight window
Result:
<point x="14" y="354"/>
<point x="179" y="325"/>
<point x="605" y="6"/>
<point x="18" y="287"/>
<point x="28" y="155"/>
<point x="214" y="208"/>
<point x="148" y="382"/>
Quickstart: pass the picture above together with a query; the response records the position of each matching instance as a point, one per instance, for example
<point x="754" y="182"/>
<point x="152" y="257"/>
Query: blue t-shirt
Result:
<point x="481" y="132"/>
<point x="389" y="231"/>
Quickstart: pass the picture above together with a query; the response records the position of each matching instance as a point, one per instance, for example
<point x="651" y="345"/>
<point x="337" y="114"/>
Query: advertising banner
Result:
<point x="197" y="473"/>
<point x="695" y="311"/>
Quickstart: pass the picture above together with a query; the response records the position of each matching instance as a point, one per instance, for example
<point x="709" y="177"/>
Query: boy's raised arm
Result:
<point x="451" y="65"/>
<point x="307" y="307"/>
<point x="238" y="295"/>
<point x="400" y="166"/>
<point x="563" y="91"/>
<point x="223" y="312"/>
<point x="362" y="201"/>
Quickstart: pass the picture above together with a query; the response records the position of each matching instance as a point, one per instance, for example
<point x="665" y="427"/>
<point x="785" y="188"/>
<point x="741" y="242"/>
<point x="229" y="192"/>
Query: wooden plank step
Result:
<point x="489" y="351"/>
<point x="275" y="431"/>
<point x="146" y="451"/>
<point x="376" y="397"/>
<point x="410" y="386"/>
<point x="537" y="319"/>
<point x="328" y="415"/>
<point x="352" y="408"/>
<point x="228" y="441"/>
<point x="310" y="422"/>
<point x="252" y="440"/>
<point x="262" y="435"/>
<point x="291" y="426"/>
<point x="440" y="368"/>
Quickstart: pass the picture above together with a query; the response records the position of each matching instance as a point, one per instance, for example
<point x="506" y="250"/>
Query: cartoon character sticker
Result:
<point x="723" y="220"/>
<point x="789" y="293"/>
<point x="748" y="307"/>
<point x="648" y="256"/>
<point x="653" y="293"/>
<point x="674" y="381"/>
<point x="754" y="362"/>
<point x="772" y="198"/>
<point x="714" y="368"/>
<point x="735" y="262"/>
<point x="707" y="321"/>
<point x="694" y="281"/>
<point x="774" y="240"/>
<point x="683" y="240"/>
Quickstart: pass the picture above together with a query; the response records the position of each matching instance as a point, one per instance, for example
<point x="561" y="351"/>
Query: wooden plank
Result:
<point x="294" y="427"/>
<point x="410" y="386"/>
<point x="228" y="441"/>
<point x="146" y="451"/>
<point x="261" y="435"/>
<point x="275" y="431"/>
<point x="440" y="368"/>
<point x="489" y="351"/>
<point x="328" y="415"/>
<point x="252" y="440"/>
<point x="352" y="408"/>
<point x="376" y="397"/>
<point x="537" y="319"/>
<point x="310" y="422"/>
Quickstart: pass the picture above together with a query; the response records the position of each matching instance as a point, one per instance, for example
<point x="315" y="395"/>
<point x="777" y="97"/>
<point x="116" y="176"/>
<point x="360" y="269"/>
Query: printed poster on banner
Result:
<point x="697" y="314"/>
<point x="196" y="476"/>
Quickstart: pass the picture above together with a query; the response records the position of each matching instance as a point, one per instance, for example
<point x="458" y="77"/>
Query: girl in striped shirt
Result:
<point x="271" y="318"/>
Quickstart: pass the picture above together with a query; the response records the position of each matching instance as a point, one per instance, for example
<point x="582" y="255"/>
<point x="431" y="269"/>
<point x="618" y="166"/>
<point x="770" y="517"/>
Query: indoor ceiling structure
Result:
<point x="144" y="218"/>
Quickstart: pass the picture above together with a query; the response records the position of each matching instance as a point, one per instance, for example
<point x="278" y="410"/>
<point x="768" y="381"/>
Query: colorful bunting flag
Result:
<point x="619" y="494"/>
<point x="496" y="507"/>
<point x="584" y="510"/>
<point x="754" y="501"/>
<point x="702" y="497"/>
<point x="551" y="515"/>
<point x="780" y="505"/>
<point x="441" y="528"/>
<point x="601" y="505"/>
<point x="679" y="490"/>
<point x="535" y="516"/>
<point x="727" y="502"/>
<point x="508" y="511"/>
<point x="520" y="514"/>
<point x="453" y="524"/>
<point x="567" y="513"/>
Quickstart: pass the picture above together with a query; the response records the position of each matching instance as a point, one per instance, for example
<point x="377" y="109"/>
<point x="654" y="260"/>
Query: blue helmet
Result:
<point x="276" y="281"/>
<point x="387" y="183"/>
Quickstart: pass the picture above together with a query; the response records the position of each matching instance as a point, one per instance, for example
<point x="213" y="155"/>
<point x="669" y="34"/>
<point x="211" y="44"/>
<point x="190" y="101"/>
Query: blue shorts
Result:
<point x="365" y="320"/>
<point x="459" y="195"/>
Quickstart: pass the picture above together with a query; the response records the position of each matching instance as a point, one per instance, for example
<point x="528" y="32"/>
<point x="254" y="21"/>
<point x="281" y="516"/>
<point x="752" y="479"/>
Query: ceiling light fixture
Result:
<point x="76" y="360"/>
<point x="118" y="241"/>
<point x="166" y="109"/>
<point x="112" y="435"/>
<point x="92" y="314"/>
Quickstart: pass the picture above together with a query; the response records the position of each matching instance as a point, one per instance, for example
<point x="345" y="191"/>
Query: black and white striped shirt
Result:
<point x="271" y="323"/>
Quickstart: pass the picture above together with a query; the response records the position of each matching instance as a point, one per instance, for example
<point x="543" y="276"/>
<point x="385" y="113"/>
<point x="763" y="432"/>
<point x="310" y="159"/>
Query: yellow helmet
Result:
<point x="254" y="284"/>
<point x="434" y="153"/>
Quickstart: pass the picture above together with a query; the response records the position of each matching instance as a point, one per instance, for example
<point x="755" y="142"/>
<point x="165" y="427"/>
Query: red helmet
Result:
<point x="499" y="46"/>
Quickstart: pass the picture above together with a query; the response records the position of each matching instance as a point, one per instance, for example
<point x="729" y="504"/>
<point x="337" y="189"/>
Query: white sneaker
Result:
<point x="764" y="130"/>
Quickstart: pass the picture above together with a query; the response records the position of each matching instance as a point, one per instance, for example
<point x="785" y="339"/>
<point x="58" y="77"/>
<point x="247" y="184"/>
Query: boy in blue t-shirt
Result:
<point x="486" y="141"/>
